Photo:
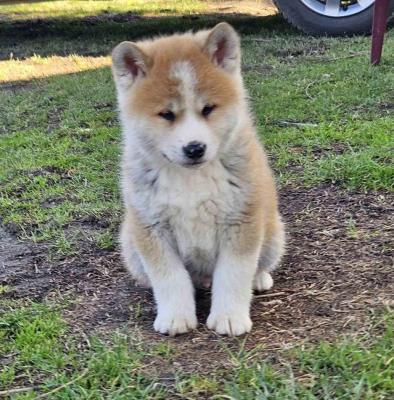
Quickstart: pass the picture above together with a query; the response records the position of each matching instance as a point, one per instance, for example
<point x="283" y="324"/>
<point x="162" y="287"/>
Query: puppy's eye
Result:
<point x="207" y="110"/>
<point x="168" y="115"/>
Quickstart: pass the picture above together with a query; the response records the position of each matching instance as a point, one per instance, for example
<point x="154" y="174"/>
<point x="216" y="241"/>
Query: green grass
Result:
<point x="329" y="114"/>
<point x="83" y="8"/>
<point x="325" y="116"/>
<point x="62" y="161"/>
<point x="350" y="368"/>
<point x="355" y="154"/>
<point x="46" y="360"/>
<point x="43" y="358"/>
<point x="66" y="31"/>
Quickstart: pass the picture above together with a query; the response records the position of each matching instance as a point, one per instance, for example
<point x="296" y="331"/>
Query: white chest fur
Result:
<point x="193" y="206"/>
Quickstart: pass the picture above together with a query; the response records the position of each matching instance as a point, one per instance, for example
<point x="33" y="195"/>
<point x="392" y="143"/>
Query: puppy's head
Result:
<point x="181" y="96"/>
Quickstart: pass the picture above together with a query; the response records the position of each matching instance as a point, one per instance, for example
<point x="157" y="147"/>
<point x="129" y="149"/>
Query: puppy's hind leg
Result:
<point x="131" y="259"/>
<point x="271" y="252"/>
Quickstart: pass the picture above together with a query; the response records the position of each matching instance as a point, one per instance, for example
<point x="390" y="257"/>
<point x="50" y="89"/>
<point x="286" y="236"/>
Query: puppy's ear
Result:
<point x="129" y="63"/>
<point x="223" y="47"/>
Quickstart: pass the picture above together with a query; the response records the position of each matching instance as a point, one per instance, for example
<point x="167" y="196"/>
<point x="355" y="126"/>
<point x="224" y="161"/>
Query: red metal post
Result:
<point x="380" y="16"/>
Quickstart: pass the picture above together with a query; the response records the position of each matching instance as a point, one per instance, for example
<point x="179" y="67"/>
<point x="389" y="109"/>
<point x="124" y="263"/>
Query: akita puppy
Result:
<point x="199" y="195"/>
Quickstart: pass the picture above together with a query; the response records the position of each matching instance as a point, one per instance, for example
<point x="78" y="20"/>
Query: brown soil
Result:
<point x="15" y="86"/>
<point x="338" y="269"/>
<point x="287" y="54"/>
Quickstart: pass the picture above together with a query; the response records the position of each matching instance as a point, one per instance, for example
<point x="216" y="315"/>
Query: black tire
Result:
<point x="311" y="22"/>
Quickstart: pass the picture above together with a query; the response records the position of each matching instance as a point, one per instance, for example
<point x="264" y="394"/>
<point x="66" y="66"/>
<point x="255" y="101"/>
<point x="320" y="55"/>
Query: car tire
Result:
<point x="311" y="22"/>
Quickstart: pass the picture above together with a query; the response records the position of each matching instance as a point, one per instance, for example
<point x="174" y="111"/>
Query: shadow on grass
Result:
<point x="14" y="2"/>
<point x="64" y="36"/>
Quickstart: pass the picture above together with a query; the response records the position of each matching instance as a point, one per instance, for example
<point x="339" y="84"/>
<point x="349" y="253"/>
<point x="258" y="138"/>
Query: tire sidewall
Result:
<point x="312" y="22"/>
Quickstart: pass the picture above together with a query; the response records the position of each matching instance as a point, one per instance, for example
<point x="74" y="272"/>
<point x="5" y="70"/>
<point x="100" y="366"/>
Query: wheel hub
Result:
<point x="337" y="8"/>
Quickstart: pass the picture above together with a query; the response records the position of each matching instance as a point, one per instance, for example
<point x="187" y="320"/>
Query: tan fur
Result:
<point x="222" y="215"/>
<point x="153" y="93"/>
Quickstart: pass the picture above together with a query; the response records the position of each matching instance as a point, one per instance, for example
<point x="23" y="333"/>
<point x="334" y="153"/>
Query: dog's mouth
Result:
<point x="192" y="164"/>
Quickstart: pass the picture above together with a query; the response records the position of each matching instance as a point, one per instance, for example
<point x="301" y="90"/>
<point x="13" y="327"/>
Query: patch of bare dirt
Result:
<point x="338" y="268"/>
<point x="54" y="118"/>
<point x="111" y="17"/>
<point x="388" y="107"/>
<point x="262" y="69"/>
<point x="16" y="259"/>
<point x="316" y="49"/>
<point x="317" y="152"/>
<point x="15" y="86"/>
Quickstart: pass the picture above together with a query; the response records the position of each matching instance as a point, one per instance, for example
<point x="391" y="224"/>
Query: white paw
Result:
<point x="229" y="324"/>
<point x="175" y="324"/>
<point x="262" y="281"/>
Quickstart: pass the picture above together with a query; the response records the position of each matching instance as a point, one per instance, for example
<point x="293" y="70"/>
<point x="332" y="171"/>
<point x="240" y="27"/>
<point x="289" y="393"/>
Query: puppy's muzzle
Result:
<point x="194" y="151"/>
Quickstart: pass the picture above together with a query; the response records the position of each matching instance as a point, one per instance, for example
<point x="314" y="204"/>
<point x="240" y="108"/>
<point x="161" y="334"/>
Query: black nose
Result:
<point x="194" y="150"/>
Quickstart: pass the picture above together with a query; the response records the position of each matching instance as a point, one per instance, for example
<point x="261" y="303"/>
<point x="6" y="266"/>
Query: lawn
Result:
<point x="73" y="325"/>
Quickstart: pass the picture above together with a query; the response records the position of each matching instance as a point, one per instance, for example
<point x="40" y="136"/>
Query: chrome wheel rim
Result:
<point x="337" y="8"/>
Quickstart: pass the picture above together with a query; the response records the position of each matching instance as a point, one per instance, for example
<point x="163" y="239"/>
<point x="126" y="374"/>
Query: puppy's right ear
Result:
<point x="129" y="63"/>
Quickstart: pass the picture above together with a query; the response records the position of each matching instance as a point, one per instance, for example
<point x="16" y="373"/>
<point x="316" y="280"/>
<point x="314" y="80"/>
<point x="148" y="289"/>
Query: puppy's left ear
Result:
<point x="223" y="47"/>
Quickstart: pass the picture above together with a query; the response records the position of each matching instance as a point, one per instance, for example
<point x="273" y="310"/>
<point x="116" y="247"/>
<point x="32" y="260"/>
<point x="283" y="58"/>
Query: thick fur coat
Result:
<point x="199" y="196"/>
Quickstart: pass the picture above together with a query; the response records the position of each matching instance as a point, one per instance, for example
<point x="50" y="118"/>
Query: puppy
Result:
<point x="199" y="196"/>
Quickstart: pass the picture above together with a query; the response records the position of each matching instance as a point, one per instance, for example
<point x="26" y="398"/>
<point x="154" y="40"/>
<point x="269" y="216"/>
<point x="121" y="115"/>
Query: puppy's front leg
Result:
<point x="171" y="283"/>
<point x="232" y="290"/>
<point x="174" y="294"/>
